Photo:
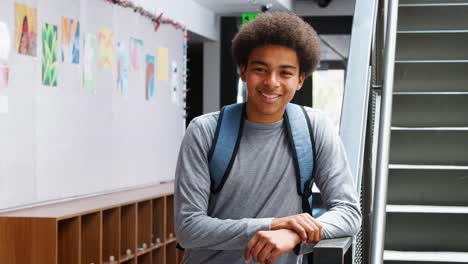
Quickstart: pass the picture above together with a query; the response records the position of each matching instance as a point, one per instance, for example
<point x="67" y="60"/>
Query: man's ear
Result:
<point x="301" y="80"/>
<point x="242" y="69"/>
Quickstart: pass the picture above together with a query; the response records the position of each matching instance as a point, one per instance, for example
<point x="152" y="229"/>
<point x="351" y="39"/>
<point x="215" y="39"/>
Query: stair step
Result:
<point x="431" y="209"/>
<point x="442" y="31"/>
<point x="430" y="93"/>
<point x="453" y="4"/>
<point x="431" y="77"/>
<point x="429" y="61"/>
<point x="429" y="147"/>
<point x="425" y="167"/>
<point x="430" y="128"/>
<point x="435" y="256"/>
<point x="420" y="16"/>
<point x="427" y="46"/>
<point x="426" y="231"/>
<point x="428" y="185"/>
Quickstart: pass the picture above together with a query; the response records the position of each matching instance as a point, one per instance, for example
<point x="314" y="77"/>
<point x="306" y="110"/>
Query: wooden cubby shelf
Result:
<point x="131" y="227"/>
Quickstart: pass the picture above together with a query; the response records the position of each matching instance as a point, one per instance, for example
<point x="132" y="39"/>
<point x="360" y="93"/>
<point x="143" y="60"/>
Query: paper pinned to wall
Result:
<point x="26" y="29"/>
<point x="49" y="54"/>
<point x="5" y="42"/>
<point x="163" y="64"/>
<point x="174" y="82"/>
<point x="106" y="48"/>
<point x="136" y="46"/>
<point x="70" y="40"/>
<point x="90" y="60"/>
<point x="122" y="69"/>
<point x="149" y="84"/>
<point x="3" y="104"/>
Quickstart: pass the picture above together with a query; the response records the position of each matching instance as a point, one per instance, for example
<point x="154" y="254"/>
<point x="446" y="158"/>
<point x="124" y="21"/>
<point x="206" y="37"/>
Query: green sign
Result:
<point x="246" y="17"/>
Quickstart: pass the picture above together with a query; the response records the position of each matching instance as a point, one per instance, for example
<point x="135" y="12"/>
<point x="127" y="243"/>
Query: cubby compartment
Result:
<point x="127" y="231"/>
<point x="144" y="226"/>
<point x="91" y="238"/>
<point x="158" y="256"/>
<point x="171" y="253"/>
<point x="159" y="217"/>
<point x="129" y="261"/>
<point x="110" y="235"/>
<point x="95" y="230"/>
<point x="170" y="225"/>
<point x="68" y="240"/>
<point x="145" y="258"/>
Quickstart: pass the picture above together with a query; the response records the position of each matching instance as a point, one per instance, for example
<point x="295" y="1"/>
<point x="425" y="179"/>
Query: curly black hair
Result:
<point x="278" y="28"/>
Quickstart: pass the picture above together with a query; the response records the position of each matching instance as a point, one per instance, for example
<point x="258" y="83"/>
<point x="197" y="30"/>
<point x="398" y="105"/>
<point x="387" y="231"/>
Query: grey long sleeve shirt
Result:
<point x="215" y="228"/>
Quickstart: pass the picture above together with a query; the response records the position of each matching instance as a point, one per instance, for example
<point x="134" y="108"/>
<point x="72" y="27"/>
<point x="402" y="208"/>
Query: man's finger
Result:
<point x="249" y="247"/>
<point x="296" y="227"/>
<point x="274" y="255"/>
<point x="266" y="251"/>
<point x="257" y="249"/>
<point x="310" y="228"/>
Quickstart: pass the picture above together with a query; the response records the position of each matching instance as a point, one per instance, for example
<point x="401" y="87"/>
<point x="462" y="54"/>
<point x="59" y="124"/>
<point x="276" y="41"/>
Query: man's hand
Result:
<point x="266" y="246"/>
<point x="308" y="228"/>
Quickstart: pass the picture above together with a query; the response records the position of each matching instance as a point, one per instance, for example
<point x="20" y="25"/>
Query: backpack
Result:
<point x="300" y="135"/>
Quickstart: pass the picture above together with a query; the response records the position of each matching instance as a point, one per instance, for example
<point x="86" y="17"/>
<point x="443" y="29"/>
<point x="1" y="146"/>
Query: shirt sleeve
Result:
<point x="335" y="182"/>
<point x="195" y="229"/>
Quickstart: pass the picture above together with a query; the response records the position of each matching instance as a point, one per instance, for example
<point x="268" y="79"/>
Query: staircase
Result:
<point x="427" y="200"/>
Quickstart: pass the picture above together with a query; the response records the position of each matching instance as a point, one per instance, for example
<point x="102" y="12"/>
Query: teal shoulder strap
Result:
<point x="225" y="144"/>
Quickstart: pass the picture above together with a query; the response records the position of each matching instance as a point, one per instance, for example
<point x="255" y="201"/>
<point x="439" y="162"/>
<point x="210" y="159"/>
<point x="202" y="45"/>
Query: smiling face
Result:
<point x="272" y="76"/>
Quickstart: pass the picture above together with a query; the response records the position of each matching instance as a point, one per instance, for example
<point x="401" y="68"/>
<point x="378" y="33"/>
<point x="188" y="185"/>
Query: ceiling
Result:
<point x="233" y="7"/>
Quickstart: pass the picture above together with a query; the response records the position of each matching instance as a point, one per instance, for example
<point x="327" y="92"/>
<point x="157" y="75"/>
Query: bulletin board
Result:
<point x="91" y="99"/>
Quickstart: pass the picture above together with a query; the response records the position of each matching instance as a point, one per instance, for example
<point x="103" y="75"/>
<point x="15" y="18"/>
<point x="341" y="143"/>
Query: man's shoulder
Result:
<point x="316" y="116"/>
<point x="205" y="121"/>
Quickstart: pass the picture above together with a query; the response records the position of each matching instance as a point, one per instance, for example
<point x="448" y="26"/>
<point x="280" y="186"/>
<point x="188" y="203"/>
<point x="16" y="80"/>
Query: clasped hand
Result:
<point x="284" y="234"/>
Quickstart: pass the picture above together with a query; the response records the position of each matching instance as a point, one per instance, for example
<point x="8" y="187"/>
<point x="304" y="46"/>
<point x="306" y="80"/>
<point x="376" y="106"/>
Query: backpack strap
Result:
<point x="225" y="144"/>
<point x="301" y="139"/>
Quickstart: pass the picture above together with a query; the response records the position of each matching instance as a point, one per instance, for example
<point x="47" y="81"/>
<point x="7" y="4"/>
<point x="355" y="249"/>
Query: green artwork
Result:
<point x="49" y="54"/>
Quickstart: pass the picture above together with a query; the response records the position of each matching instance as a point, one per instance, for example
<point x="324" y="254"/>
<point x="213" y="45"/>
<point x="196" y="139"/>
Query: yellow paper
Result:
<point x="26" y="29"/>
<point x="106" y="49"/>
<point x="163" y="64"/>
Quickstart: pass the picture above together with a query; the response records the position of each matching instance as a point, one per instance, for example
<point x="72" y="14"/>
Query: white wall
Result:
<point x="189" y="13"/>
<point x="336" y="8"/>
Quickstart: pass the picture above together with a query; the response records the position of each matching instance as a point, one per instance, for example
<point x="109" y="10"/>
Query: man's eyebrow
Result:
<point x="286" y="66"/>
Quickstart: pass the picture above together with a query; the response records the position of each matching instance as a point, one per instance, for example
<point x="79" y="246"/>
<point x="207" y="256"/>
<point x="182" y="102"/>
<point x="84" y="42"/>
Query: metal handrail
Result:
<point x="383" y="148"/>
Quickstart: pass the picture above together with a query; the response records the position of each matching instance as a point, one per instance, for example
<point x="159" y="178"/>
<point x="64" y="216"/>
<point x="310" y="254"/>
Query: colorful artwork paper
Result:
<point x="5" y="41"/>
<point x="136" y="46"/>
<point x="149" y="83"/>
<point x="49" y="54"/>
<point x="70" y="41"/>
<point x="26" y="29"/>
<point x="163" y="64"/>
<point x="106" y="49"/>
<point x="122" y="69"/>
<point x="89" y="61"/>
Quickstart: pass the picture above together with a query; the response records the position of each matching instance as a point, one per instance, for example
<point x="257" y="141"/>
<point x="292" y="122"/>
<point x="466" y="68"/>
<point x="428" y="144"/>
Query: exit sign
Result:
<point x="246" y="17"/>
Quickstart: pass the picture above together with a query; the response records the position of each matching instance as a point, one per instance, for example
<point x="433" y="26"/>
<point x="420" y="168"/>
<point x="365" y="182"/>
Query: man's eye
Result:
<point x="287" y="73"/>
<point x="259" y="69"/>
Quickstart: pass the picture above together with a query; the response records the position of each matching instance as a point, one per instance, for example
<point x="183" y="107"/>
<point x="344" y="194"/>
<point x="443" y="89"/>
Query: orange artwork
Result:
<point x="106" y="49"/>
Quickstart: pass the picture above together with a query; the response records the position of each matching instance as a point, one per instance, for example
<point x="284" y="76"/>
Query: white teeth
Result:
<point x="270" y="96"/>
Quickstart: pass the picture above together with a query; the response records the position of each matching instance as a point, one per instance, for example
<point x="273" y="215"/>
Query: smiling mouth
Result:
<point x="269" y="98"/>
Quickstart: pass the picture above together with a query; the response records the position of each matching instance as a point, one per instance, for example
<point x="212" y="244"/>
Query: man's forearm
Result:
<point x="203" y="232"/>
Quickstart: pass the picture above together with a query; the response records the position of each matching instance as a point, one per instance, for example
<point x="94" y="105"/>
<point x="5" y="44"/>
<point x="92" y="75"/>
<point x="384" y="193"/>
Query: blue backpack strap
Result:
<point x="225" y="144"/>
<point x="302" y="144"/>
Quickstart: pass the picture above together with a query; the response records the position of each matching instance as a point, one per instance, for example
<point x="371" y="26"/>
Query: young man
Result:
<point x="257" y="215"/>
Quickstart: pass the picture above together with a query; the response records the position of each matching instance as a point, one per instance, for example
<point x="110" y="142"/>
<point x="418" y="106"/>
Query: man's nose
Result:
<point x="272" y="80"/>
